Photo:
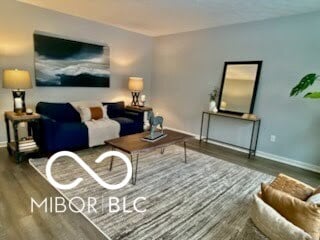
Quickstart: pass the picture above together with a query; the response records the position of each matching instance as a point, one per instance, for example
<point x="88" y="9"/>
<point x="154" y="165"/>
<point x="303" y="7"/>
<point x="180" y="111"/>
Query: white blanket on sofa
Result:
<point x="102" y="130"/>
<point x="98" y="130"/>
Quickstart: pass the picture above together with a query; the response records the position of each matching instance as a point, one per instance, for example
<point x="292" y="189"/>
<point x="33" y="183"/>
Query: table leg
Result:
<point x="162" y="150"/>
<point x="30" y="128"/>
<point x="36" y="132"/>
<point x="257" y="136"/>
<point x="8" y="135"/>
<point x="185" y="152"/>
<point x="207" y="136"/>
<point x="16" y="136"/>
<point x="251" y="140"/>
<point x="111" y="162"/>
<point x="132" y="175"/>
<point x="16" y="139"/>
<point x="136" y="171"/>
<point x="200" y="136"/>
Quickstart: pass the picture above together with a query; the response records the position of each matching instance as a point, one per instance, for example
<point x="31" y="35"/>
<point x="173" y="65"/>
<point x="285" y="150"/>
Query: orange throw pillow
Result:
<point x="292" y="186"/>
<point x="96" y="113"/>
<point x="302" y="214"/>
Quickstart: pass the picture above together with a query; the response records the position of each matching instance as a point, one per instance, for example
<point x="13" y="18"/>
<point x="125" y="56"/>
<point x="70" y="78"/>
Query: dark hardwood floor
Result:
<point x="20" y="182"/>
<point x="260" y="164"/>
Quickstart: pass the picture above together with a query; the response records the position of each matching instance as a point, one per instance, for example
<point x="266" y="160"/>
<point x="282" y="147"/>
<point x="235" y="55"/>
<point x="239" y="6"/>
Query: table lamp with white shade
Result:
<point x="135" y="86"/>
<point x="18" y="81"/>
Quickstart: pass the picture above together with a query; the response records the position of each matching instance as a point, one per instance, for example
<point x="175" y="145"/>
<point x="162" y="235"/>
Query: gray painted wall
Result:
<point x="188" y="65"/>
<point x="185" y="69"/>
<point x="131" y="53"/>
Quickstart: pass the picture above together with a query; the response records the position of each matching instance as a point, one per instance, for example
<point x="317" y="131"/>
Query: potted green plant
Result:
<point x="304" y="83"/>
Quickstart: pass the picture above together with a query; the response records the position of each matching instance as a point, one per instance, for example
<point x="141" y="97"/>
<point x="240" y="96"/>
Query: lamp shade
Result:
<point x="16" y="79"/>
<point x="135" y="84"/>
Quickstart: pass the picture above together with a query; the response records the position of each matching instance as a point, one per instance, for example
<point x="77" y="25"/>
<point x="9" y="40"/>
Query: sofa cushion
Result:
<point x="115" y="109"/>
<point x="61" y="112"/>
<point x="302" y="214"/>
<point x="272" y="224"/>
<point x="292" y="186"/>
<point x="123" y="120"/>
<point x="128" y="126"/>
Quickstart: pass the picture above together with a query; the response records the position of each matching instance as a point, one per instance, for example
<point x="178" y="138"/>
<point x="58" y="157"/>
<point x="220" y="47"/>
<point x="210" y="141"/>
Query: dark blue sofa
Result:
<point x="61" y="127"/>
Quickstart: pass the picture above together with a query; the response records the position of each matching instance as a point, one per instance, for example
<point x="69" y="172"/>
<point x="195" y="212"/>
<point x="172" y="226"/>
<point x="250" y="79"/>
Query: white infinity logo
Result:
<point x="89" y="170"/>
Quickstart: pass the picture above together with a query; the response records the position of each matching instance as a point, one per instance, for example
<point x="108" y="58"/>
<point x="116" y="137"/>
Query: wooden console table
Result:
<point x="254" y="132"/>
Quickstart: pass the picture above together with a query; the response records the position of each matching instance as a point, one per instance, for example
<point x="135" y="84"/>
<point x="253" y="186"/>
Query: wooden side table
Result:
<point x="145" y="111"/>
<point x="14" y="146"/>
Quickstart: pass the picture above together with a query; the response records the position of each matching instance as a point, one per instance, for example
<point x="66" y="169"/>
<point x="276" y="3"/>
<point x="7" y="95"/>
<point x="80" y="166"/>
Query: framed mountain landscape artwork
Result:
<point x="67" y="63"/>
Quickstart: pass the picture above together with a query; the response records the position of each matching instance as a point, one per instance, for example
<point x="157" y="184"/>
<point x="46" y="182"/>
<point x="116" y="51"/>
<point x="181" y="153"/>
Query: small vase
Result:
<point x="212" y="106"/>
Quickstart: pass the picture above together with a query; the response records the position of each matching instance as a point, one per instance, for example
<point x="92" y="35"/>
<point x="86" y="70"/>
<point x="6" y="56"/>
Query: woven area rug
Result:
<point x="206" y="198"/>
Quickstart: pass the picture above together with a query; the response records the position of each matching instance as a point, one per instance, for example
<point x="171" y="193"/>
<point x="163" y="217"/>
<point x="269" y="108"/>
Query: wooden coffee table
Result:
<point x="133" y="145"/>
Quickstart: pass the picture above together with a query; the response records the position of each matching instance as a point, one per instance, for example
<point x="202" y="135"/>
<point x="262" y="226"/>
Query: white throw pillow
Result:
<point x="314" y="199"/>
<point x="104" y="111"/>
<point x="86" y="114"/>
<point x="79" y="106"/>
<point x="273" y="225"/>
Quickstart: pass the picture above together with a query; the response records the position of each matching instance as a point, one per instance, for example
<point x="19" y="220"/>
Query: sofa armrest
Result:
<point x="45" y="118"/>
<point x="48" y="124"/>
<point x="57" y="136"/>
<point x="47" y="132"/>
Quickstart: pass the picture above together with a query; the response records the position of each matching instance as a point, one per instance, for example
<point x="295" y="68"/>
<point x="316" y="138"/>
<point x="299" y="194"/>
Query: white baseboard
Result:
<point x="3" y="144"/>
<point x="289" y="161"/>
<point x="269" y="156"/>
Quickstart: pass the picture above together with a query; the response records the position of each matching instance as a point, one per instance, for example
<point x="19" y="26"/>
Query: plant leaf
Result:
<point x="313" y="95"/>
<point x="304" y="83"/>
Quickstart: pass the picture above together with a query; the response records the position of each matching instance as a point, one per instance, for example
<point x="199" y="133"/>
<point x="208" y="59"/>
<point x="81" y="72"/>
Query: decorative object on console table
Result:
<point x="17" y="80"/>
<point x="143" y="100"/>
<point x="29" y="111"/>
<point x="213" y="96"/>
<point x="246" y="117"/>
<point x="145" y="111"/>
<point x="135" y="86"/>
<point x="26" y="146"/>
<point x="249" y="116"/>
